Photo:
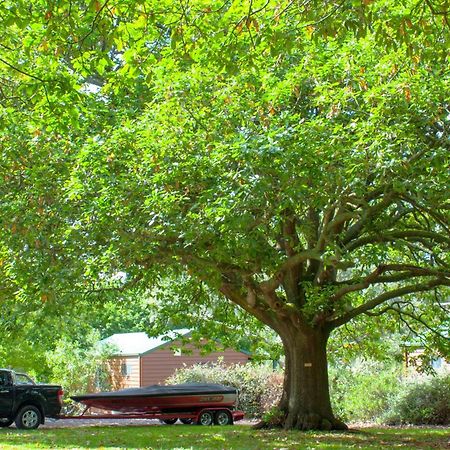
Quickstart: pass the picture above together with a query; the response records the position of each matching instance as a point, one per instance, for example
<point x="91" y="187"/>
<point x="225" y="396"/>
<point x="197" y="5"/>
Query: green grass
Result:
<point x="234" y="437"/>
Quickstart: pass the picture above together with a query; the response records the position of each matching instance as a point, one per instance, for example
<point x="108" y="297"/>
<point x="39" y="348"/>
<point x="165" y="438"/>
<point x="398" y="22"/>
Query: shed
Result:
<point x="139" y="360"/>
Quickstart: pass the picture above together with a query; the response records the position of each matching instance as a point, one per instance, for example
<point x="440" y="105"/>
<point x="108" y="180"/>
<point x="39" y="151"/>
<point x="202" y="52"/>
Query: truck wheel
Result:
<point x="5" y="422"/>
<point x="223" y="418"/>
<point x="28" y="418"/>
<point x="206" y="418"/>
<point x="169" y="421"/>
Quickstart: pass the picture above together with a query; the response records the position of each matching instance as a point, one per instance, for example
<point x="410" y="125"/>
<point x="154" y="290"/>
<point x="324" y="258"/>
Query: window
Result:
<point x="5" y="379"/>
<point x="126" y="369"/>
<point x="22" y="378"/>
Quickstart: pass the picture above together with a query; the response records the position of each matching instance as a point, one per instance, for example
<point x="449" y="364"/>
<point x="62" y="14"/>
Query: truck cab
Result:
<point x="26" y="403"/>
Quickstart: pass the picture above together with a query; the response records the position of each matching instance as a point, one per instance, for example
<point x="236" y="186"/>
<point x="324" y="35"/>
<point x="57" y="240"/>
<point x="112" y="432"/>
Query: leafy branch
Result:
<point x="378" y="300"/>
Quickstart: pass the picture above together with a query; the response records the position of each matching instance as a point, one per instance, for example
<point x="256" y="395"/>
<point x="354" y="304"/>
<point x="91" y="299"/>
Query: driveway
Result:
<point x="76" y="423"/>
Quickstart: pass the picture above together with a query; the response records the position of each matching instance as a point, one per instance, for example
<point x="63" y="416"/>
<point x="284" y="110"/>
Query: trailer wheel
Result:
<point x="169" y="421"/>
<point x="5" y="422"/>
<point x="186" y="421"/>
<point x="223" y="418"/>
<point x="28" y="418"/>
<point x="206" y="418"/>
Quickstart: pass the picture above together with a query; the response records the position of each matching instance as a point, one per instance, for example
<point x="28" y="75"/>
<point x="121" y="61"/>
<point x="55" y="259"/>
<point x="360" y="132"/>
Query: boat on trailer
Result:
<point x="200" y="403"/>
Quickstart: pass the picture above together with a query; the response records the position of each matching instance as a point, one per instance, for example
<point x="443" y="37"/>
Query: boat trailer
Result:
<point x="200" y="416"/>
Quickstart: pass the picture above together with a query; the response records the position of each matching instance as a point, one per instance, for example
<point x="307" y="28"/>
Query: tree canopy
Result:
<point x="291" y="157"/>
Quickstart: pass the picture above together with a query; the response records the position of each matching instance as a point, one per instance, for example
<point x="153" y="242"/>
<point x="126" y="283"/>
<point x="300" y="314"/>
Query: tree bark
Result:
<point x="305" y="402"/>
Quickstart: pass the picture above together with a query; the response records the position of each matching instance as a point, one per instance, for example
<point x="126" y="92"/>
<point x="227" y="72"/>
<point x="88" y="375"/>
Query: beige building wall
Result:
<point x="160" y="364"/>
<point x="124" y="372"/>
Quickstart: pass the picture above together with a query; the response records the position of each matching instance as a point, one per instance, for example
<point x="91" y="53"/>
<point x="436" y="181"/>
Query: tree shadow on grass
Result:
<point x="242" y="437"/>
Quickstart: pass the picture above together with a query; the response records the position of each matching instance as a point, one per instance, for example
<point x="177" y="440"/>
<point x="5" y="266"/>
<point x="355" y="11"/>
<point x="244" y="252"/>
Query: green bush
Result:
<point x="371" y="391"/>
<point x="259" y="387"/>
<point x="364" y="390"/>
<point x="273" y="417"/>
<point x="422" y="401"/>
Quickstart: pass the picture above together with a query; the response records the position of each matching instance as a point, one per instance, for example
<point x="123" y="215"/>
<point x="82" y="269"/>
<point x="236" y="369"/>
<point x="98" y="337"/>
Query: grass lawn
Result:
<point x="234" y="437"/>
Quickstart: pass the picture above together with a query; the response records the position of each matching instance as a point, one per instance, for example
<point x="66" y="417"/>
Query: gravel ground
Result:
<point x="77" y="423"/>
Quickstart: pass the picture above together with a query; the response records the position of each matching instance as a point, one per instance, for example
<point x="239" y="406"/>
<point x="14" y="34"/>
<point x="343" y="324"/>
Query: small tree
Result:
<point x="79" y="368"/>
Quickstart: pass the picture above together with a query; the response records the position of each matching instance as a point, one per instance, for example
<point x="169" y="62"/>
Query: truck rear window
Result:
<point x="21" y="378"/>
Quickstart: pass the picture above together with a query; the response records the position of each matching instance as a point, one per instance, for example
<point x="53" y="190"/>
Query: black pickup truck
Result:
<point x="26" y="403"/>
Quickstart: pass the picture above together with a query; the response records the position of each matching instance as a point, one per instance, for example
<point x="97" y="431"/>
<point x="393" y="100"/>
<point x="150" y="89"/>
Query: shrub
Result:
<point x="422" y="403"/>
<point x="363" y="390"/>
<point x="259" y="387"/>
<point x="273" y="417"/>
<point x="374" y="391"/>
<point x="272" y="391"/>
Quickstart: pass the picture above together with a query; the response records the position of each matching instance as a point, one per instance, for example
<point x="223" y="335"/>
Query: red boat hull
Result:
<point x="162" y="399"/>
<point x="149" y="404"/>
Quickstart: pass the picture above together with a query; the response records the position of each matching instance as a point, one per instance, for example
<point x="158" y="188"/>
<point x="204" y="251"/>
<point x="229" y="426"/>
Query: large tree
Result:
<point x="291" y="157"/>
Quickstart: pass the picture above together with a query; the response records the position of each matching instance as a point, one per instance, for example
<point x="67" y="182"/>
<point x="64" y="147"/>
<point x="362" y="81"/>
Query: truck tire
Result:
<point x="28" y="418"/>
<point x="5" y="422"/>
<point x="223" y="417"/>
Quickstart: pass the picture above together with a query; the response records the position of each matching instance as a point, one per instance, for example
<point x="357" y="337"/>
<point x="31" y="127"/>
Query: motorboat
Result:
<point x="162" y="399"/>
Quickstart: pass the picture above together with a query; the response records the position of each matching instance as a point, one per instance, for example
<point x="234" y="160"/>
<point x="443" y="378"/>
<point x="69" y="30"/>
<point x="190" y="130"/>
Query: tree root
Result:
<point x="260" y="425"/>
<point x="313" y="421"/>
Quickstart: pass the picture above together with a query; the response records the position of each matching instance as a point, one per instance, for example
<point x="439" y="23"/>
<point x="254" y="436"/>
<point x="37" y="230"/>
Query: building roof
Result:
<point x="133" y="344"/>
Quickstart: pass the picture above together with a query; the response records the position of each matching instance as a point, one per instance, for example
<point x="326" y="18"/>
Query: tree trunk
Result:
<point x="306" y="397"/>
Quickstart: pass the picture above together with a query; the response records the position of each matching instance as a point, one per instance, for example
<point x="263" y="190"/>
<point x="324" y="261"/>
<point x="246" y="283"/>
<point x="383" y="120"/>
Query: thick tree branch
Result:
<point x="405" y="290"/>
<point x="292" y="262"/>
<point x="290" y="241"/>
<point x="439" y="218"/>
<point x="406" y="271"/>
<point x="334" y="227"/>
<point x="368" y="214"/>
<point x="396" y="307"/>
<point x="291" y="245"/>
<point x="408" y="235"/>
<point x="358" y="286"/>
<point x="312" y="234"/>
<point x="234" y="295"/>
